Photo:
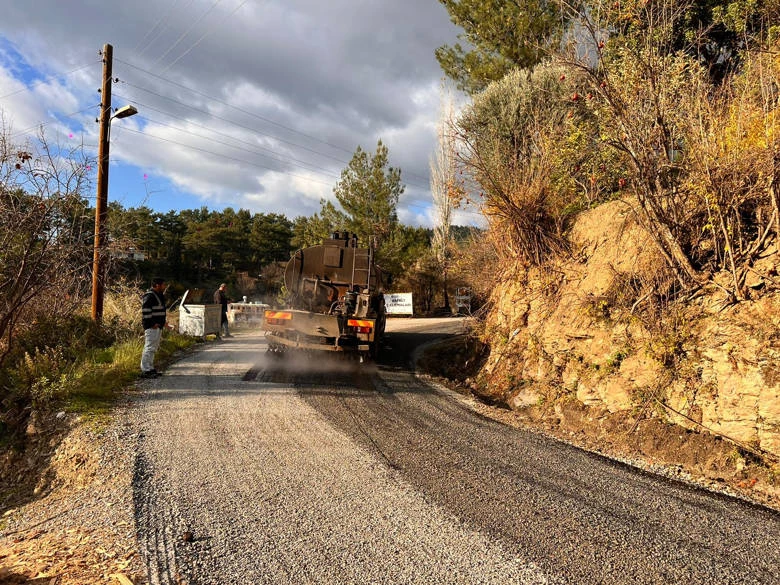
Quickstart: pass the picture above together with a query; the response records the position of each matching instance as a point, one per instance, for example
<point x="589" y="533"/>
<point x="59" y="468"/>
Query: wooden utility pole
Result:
<point x="101" y="203"/>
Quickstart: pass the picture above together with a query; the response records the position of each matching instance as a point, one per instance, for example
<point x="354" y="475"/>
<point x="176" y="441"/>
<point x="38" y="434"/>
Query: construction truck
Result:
<point x="334" y="301"/>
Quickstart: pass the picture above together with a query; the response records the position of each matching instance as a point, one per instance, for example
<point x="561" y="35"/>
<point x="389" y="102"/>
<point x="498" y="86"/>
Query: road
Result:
<point x="252" y="469"/>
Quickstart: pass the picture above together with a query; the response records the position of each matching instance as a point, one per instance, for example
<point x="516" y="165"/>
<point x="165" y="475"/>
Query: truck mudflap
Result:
<point x="315" y="331"/>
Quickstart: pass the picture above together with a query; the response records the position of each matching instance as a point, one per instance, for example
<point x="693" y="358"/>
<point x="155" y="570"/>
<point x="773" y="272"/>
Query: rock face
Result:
<point x="591" y="329"/>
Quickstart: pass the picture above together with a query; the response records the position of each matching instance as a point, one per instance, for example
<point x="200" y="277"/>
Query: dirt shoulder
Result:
<point x="67" y="511"/>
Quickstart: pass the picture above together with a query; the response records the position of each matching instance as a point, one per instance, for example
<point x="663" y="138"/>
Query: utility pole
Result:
<point x="101" y="203"/>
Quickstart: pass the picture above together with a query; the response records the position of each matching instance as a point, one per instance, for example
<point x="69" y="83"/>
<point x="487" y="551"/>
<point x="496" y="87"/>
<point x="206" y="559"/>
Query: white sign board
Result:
<point x="399" y="304"/>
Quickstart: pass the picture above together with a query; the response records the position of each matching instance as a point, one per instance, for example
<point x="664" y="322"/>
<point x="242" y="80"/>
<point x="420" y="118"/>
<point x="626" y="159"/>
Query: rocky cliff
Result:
<point x="592" y="332"/>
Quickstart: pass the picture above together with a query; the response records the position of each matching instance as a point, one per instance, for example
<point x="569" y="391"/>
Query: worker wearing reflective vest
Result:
<point x="153" y="320"/>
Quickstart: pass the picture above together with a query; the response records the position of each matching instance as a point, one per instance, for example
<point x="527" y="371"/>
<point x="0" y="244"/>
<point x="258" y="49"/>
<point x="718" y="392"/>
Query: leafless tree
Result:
<point x="444" y="186"/>
<point x="45" y="232"/>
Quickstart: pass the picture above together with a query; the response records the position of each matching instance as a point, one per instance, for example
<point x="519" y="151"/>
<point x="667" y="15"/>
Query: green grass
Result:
<point x="67" y="362"/>
<point x="100" y="377"/>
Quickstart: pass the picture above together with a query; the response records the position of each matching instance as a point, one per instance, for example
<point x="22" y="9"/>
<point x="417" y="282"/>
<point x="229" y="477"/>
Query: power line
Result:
<point x="203" y="36"/>
<point x="277" y="157"/>
<point x="42" y="124"/>
<point x="203" y="150"/>
<point x="151" y="30"/>
<point x="47" y="79"/>
<point x="412" y="202"/>
<point x="207" y="113"/>
<point x="210" y="114"/>
<point x="252" y="114"/>
<point x="250" y="163"/>
<point x="224" y="103"/>
<point x="302" y="164"/>
<point x="186" y="32"/>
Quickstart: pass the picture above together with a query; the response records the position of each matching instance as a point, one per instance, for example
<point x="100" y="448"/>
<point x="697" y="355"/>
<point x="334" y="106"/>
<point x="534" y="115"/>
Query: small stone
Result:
<point x="187" y="537"/>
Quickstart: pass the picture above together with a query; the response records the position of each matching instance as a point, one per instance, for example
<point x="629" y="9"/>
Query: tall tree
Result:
<point x="444" y="188"/>
<point x="501" y="35"/>
<point x="310" y="231"/>
<point x="368" y="192"/>
<point x="403" y="248"/>
<point x="270" y="239"/>
<point x="173" y="230"/>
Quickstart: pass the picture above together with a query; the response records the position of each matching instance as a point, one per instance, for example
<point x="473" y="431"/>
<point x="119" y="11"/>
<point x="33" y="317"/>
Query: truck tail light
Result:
<point x="278" y="317"/>
<point x="360" y="325"/>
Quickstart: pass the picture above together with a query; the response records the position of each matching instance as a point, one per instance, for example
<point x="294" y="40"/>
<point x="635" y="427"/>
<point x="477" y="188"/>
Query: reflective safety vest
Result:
<point x="152" y="310"/>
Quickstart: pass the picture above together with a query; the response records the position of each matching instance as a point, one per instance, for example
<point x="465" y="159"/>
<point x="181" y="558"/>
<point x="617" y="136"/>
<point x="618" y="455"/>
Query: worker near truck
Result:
<point x="153" y="316"/>
<point x="221" y="298"/>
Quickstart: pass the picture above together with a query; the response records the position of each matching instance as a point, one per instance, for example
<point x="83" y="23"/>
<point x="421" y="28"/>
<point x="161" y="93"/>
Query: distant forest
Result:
<point x="199" y="248"/>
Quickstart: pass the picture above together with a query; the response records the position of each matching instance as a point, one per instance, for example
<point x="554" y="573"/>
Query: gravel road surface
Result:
<point x="255" y="469"/>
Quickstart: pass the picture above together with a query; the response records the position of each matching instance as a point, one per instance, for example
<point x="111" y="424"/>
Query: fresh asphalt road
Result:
<point x="252" y="469"/>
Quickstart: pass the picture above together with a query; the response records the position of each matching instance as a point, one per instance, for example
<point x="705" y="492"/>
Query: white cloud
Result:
<point x="249" y="104"/>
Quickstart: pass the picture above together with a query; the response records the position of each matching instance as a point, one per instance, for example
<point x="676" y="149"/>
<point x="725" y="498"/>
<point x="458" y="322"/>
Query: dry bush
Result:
<point x="478" y="265"/>
<point x="733" y="180"/>
<point x="702" y="149"/>
<point x="509" y="137"/>
<point x="45" y="235"/>
<point x="122" y="309"/>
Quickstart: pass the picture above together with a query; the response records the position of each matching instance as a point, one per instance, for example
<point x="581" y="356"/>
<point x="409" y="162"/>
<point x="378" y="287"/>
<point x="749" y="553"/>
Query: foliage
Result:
<point x="474" y="265"/>
<point x="196" y="246"/>
<point x="714" y="33"/>
<point x="368" y="192"/>
<point x="45" y="234"/>
<point x="403" y="248"/>
<point x="270" y="237"/>
<point x="706" y="196"/>
<point x="68" y="362"/>
<point x="423" y="278"/>
<point x="500" y="36"/>
<point x="732" y="184"/>
<point x="311" y="231"/>
<point x="512" y="134"/>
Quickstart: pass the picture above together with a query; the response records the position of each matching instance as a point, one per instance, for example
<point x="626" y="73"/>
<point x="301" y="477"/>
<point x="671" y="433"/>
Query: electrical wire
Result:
<point x="215" y="116"/>
<point x="154" y="28"/>
<point x="423" y="206"/>
<point x="224" y="103"/>
<point x="203" y="150"/>
<point x="186" y="32"/>
<point x="301" y="163"/>
<point x="43" y="124"/>
<point x="286" y="159"/>
<point x="414" y="203"/>
<point x="203" y="36"/>
<point x="254" y="115"/>
<point x="207" y="113"/>
<point x="47" y="79"/>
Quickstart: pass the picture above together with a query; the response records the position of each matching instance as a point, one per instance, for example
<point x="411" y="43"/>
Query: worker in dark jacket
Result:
<point x="153" y="320"/>
<point x="220" y="298"/>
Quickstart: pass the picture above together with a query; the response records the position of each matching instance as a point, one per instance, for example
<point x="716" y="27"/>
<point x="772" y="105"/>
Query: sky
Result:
<point x="249" y="104"/>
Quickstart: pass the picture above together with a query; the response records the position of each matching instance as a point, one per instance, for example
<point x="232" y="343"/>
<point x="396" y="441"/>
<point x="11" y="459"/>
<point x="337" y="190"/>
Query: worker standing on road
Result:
<point x="153" y="320"/>
<point x="220" y="298"/>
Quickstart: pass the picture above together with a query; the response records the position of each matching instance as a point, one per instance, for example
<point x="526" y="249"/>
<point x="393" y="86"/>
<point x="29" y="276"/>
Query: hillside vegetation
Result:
<point x="629" y="172"/>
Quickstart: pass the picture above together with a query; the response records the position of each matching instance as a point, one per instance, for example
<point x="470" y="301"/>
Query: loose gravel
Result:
<point x="302" y="473"/>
